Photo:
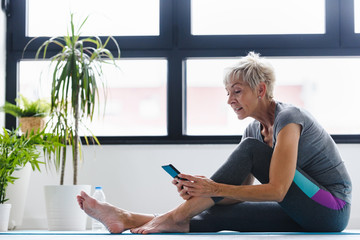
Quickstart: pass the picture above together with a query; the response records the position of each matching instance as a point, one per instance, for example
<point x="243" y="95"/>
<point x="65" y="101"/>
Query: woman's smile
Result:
<point x="238" y="109"/>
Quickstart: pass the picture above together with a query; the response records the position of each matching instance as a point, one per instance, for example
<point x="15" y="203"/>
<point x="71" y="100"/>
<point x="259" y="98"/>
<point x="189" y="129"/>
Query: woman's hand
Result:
<point x="180" y="188"/>
<point x="198" y="186"/>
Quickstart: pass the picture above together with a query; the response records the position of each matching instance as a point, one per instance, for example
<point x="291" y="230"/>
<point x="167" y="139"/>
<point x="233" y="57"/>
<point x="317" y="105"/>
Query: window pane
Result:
<point x="206" y="110"/>
<point x="136" y="98"/>
<point x="357" y="15"/>
<point x="305" y="82"/>
<point x="229" y="17"/>
<point x="106" y="17"/>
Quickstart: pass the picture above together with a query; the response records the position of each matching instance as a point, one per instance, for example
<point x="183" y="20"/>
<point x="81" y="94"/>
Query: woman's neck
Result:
<point x="266" y="113"/>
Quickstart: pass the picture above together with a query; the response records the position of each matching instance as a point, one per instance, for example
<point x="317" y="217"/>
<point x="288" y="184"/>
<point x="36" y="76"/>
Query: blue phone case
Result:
<point x="170" y="169"/>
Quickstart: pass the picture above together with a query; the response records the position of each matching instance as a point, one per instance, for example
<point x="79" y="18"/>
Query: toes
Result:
<point x="80" y="201"/>
<point x="84" y="195"/>
<point x="81" y="205"/>
<point x="79" y="198"/>
<point x="141" y="230"/>
<point x="138" y="230"/>
<point x="146" y="231"/>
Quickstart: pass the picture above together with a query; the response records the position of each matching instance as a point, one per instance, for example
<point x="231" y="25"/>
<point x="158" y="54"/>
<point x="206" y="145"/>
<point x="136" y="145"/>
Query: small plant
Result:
<point x="26" y="108"/>
<point x="16" y="151"/>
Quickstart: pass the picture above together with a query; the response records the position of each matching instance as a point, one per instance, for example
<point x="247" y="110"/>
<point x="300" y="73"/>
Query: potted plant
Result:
<point x="16" y="152"/>
<point x="31" y="114"/>
<point x="77" y="77"/>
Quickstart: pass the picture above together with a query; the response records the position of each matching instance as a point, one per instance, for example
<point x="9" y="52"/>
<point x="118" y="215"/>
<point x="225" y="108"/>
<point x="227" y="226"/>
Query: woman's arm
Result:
<point x="281" y="175"/>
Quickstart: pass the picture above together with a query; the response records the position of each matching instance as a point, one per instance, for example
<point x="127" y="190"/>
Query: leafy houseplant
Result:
<point x="31" y="114"/>
<point x="75" y="87"/>
<point x="26" y="108"/>
<point x="16" y="151"/>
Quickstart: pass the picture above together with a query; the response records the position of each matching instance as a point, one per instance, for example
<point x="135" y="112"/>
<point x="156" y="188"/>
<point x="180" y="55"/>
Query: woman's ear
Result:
<point x="261" y="90"/>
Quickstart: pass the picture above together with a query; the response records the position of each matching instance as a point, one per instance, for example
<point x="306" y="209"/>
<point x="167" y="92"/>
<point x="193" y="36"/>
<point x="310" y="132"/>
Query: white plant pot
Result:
<point x="62" y="210"/>
<point x="4" y="217"/>
<point x="17" y="194"/>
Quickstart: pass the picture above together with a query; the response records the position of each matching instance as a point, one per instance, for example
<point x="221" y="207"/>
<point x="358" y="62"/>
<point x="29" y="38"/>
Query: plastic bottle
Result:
<point x="100" y="196"/>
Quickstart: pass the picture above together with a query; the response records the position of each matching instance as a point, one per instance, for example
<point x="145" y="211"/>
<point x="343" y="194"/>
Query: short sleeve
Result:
<point x="287" y="116"/>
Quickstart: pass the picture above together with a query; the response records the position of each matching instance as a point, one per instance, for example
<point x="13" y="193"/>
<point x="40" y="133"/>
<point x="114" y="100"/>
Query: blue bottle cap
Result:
<point x="98" y="187"/>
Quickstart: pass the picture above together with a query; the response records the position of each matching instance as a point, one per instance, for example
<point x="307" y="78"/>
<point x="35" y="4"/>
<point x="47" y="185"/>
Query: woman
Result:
<point x="304" y="183"/>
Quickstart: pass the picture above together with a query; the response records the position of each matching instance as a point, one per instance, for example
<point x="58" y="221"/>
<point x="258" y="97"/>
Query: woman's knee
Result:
<point x="249" y="146"/>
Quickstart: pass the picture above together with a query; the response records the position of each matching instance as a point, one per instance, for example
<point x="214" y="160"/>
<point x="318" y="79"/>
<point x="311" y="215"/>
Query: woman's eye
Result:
<point x="238" y="91"/>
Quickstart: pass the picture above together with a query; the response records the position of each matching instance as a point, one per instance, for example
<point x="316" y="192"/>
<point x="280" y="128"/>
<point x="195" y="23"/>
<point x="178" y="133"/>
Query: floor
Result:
<point x="21" y="235"/>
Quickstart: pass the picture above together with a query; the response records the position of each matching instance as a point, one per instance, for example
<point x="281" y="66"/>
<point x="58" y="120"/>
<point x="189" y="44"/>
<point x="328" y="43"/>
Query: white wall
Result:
<point x="133" y="179"/>
<point x="2" y="64"/>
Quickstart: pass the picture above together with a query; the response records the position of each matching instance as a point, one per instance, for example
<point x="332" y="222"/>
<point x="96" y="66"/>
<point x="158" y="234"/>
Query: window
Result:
<point x="173" y="55"/>
<point x="305" y="82"/>
<point x="123" y="18"/>
<point x="234" y="17"/>
<point x="135" y="98"/>
<point x="207" y="110"/>
<point x="357" y="15"/>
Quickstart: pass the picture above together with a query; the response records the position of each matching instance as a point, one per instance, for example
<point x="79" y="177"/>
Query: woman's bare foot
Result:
<point x="163" y="223"/>
<point x="116" y="220"/>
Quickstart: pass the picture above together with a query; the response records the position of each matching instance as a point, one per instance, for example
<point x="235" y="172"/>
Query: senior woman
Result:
<point x="304" y="183"/>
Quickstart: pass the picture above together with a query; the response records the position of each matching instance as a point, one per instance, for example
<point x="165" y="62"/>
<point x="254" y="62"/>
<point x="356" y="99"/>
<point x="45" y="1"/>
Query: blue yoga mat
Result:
<point x="40" y="232"/>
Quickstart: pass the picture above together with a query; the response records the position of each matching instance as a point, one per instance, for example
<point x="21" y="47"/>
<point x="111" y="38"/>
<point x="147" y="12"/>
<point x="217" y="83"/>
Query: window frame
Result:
<point x="287" y="41"/>
<point x="348" y="37"/>
<point x="176" y="44"/>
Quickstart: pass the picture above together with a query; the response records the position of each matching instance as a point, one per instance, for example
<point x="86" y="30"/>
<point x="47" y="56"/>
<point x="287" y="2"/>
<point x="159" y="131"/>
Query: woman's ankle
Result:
<point x="186" y="211"/>
<point x="135" y="220"/>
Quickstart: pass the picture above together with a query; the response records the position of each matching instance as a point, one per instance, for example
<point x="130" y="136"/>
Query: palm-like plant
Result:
<point x="26" y="108"/>
<point x="75" y="87"/>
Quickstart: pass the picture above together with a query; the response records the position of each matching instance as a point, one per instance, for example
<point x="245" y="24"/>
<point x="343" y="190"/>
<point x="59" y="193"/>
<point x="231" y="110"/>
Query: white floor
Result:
<point x="348" y="235"/>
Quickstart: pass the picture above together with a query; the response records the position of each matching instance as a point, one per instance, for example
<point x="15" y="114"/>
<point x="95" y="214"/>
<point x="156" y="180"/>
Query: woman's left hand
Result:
<point x="198" y="186"/>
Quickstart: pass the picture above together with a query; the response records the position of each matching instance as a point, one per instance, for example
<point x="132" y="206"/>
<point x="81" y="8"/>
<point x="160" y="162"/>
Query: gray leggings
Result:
<point x="297" y="212"/>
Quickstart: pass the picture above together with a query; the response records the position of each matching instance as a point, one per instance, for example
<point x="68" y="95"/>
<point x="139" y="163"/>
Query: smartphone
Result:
<point x="170" y="169"/>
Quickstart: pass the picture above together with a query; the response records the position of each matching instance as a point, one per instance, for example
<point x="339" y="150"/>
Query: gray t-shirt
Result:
<point x="318" y="155"/>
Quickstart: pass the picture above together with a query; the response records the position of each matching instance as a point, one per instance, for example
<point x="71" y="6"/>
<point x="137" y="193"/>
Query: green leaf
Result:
<point x="16" y="151"/>
<point x="76" y="80"/>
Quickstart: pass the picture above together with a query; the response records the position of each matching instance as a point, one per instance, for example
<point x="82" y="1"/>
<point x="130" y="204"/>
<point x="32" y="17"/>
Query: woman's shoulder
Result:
<point x="286" y="108"/>
<point x="286" y="111"/>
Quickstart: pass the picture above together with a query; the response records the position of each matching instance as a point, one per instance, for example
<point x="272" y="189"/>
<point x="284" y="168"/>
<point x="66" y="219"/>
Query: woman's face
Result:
<point x="241" y="98"/>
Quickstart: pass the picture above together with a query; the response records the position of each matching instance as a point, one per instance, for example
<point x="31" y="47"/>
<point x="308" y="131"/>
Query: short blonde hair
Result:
<point x="253" y="69"/>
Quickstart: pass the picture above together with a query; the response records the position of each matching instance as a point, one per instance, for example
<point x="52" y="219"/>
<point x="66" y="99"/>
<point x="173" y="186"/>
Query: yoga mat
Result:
<point x="41" y="232"/>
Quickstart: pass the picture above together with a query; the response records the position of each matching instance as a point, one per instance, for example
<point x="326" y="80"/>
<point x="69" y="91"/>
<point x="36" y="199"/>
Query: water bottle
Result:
<point x="100" y="196"/>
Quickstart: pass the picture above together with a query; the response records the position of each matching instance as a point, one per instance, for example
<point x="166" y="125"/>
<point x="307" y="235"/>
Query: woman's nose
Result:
<point x="230" y="99"/>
